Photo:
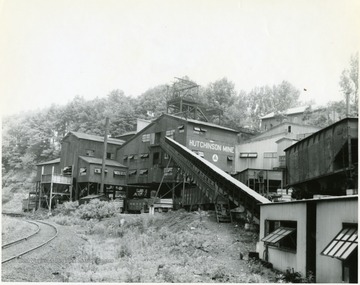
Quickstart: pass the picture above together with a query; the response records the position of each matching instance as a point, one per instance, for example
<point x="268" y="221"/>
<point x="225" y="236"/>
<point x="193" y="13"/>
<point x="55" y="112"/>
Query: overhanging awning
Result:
<point x="278" y="235"/>
<point x="344" y="243"/>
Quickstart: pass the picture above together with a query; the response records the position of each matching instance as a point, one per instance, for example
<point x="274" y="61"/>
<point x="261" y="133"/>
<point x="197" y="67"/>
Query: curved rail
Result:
<point x="36" y="247"/>
<point x="24" y="238"/>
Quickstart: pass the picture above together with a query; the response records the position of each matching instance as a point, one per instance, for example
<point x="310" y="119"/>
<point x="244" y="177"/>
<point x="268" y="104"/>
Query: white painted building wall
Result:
<point x="281" y="259"/>
<point x="330" y="216"/>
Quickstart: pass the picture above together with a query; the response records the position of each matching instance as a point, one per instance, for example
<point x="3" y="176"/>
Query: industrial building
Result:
<point x="260" y="161"/>
<point x="313" y="235"/>
<point x="325" y="162"/>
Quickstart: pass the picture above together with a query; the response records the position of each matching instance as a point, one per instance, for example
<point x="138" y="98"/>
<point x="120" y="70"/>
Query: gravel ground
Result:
<point x="48" y="263"/>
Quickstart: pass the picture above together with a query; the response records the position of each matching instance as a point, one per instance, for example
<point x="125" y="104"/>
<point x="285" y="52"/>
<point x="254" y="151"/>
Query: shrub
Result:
<point x="97" y="209"/>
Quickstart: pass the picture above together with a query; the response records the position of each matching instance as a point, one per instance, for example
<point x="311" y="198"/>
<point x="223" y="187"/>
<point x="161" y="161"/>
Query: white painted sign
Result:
<point x="211" y="146"/>
<point x="215" y="158"/>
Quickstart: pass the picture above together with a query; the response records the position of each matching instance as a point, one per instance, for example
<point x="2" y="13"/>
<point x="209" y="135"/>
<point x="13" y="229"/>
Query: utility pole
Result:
<point x="347" y="104"/>
<point x="104" y="156"/>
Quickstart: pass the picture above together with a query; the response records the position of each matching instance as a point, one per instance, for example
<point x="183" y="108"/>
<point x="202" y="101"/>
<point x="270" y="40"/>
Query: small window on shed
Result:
<point x="281" y="234"/>
<point x="132" y="172"/>
<point x="230" y="158"/>
<point x="343" y="244"/>
<point x="289" y="129"/>
<point x="181" y="128"/>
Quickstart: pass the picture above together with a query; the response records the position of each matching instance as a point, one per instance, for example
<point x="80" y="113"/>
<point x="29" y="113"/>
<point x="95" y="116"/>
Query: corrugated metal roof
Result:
<point x="56" y="160"/>
<point x="290" y="111"/>
<point x="96" y="138"/>
<point x="314" y="200"/>
<point x="95" y="160"/>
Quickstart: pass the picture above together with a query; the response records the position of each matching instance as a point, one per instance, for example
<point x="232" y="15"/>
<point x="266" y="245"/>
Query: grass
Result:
<point x="165" y="248"/>
<point x="13" y="228"/>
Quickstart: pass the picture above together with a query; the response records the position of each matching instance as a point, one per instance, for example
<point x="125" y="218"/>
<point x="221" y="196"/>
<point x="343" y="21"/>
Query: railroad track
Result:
<point x="44" y="234"/>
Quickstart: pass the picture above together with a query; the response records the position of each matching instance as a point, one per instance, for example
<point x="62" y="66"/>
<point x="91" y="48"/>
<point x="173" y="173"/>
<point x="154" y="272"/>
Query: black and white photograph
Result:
<point x="179" y="141"/>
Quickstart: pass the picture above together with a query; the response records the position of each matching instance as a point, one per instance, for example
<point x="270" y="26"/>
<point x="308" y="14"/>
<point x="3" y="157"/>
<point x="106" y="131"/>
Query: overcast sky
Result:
<point x="52" y="50"/>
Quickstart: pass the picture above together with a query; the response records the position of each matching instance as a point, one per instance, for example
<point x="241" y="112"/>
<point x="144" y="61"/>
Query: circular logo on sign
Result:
<point x="215" y="158"/>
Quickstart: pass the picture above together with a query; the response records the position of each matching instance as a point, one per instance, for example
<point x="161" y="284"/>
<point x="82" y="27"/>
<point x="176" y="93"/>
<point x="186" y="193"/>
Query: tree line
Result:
<point x="33" y="137"/>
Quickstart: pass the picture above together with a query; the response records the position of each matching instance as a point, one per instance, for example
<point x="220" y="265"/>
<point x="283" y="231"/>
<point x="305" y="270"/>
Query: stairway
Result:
<point x="213" y="181"/>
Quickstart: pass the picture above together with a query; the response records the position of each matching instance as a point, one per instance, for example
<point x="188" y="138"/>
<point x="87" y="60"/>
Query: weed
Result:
<point x="124" y="251"/>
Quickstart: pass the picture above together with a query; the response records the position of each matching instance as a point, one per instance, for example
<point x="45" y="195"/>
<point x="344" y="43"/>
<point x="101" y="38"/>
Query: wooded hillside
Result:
<point x="33" y="137"/>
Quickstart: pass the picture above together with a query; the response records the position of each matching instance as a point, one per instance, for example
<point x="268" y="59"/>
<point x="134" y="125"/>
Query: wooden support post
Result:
<point x="71" y="192"/>
<point x="51" y="188"/>
<point x="183" y="191"/>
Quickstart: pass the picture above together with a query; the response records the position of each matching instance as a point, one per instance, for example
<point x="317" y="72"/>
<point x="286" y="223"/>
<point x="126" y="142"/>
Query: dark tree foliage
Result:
<point x="33" y="137"/>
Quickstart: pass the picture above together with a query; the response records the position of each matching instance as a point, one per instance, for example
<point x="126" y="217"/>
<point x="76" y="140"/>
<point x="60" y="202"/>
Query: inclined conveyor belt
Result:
<point x="212" y="180"/>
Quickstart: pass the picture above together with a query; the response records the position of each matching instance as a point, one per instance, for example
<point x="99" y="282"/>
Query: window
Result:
<point x="132" y="172"/>
<point x="131" y="156"/>
<point x="125" y="157"/>
<point x="67" y="170"/>
<point x="146" y="138"/>
<point x="110" y="155"/>
<point x="98" y="170"/>
<point x="280" y="234"/>
<point x="156" y="158"/>
<point x="144" y="171"/>
<point x="343" y="244"/>
<point x="166" y="156"/>
<point x="270" y="154"/>
<point x="168" y="171"/>
<point x="230" y="158"/>
<point x="119" y="173"/>
<point x="170" y="133"/>
<point x="289" y="129"/>
<point x="90" y="152"/>
<point x="157" y="138"/>
<point x="199" y="153"/>
<point x="198" y="130"/>
<point x="82" y="171"/>
<point x="181" y="128"/>
<point x="144" y="155"/>
<point x="248" y="154"/>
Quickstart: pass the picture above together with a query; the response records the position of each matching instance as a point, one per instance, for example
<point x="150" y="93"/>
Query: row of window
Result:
<point x="154" y="138"/>
<point x="255" y="155"/>
<point x="83" y="171"/>
<point x="282" y="235"/>
<point x="135" y="156"/>
<point x="91" y="152"/>
<point x="133" y="172"/>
